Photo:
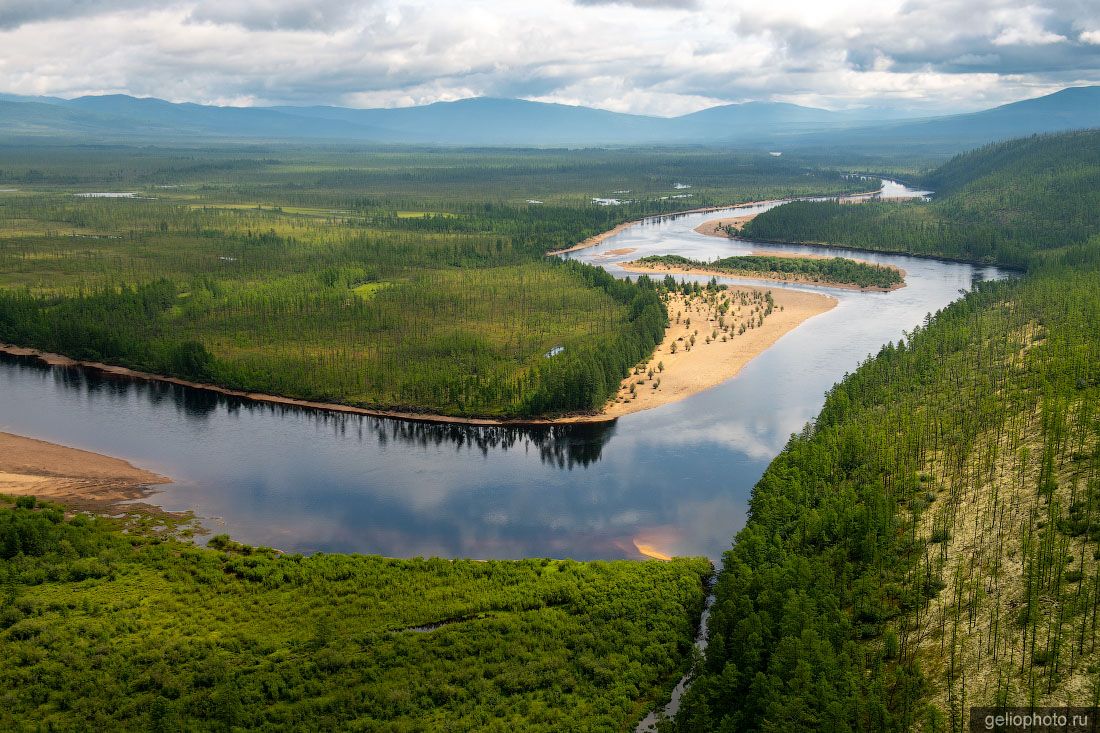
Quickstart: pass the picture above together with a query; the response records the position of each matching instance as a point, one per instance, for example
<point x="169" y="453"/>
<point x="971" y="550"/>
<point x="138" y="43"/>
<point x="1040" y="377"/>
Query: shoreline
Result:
<point x="64" y="361"/>
<point x="610" y="413"/>
<point x="868" y="250"/>
<point x="711" y="362"/>
<point x="596" y="239"/>
<point x="635" y="267"/>
<point x="711" y="227"/>
<point x="78" y="478"/>
<point x="698" y="372"/>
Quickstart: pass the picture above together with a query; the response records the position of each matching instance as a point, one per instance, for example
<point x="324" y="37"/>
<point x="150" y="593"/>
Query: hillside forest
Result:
<point x="929" y="542"/>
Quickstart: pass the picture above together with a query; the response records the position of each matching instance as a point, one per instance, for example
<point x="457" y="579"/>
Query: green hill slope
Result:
<point x="1004" y="203"/>
<point x="930" y="543"/>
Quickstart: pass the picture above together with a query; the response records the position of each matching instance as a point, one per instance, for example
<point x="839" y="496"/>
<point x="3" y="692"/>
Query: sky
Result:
<point x="661" y="57"/>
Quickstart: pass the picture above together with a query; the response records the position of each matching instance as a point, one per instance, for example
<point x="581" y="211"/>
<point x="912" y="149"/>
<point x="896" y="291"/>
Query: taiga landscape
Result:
<point x="589" y="366"/>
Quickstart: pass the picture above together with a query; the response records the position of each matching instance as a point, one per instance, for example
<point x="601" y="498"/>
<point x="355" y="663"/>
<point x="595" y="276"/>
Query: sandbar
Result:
<point x="69" y="475"/>
<point x="709" y="364"/>
<point x="716" y="227"/>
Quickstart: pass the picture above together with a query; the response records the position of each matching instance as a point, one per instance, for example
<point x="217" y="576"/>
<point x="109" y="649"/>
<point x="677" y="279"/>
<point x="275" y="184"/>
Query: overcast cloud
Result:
<point x="646" y="56"/>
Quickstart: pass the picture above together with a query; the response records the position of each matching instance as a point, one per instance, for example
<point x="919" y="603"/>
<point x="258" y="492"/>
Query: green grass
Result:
<point x="366" y="291"/>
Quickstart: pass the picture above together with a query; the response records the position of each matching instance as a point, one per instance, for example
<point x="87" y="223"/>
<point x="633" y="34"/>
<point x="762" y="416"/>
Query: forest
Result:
<point x="930" y="542"/>
<point x="414" y="280"/>
<point x="1012" y="203"/>
<point x="831" y="270"/>
<point x="140" y="631"/>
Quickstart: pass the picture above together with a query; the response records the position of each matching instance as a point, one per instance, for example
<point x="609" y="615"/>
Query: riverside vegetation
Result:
<point x="832" y="270"/>
<point x="411" y="279"/>
<point x="407" y="280"/>
<point x="930" y="542"/>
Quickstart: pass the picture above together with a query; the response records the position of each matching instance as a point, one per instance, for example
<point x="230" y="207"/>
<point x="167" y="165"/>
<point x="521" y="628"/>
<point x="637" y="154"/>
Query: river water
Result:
<point x="676" y="479"/>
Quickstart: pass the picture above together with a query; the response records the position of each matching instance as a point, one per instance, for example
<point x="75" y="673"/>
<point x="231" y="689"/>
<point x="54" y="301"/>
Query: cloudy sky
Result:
<point x="661" y="57"/>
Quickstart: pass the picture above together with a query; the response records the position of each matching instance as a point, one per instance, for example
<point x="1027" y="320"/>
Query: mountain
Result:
<point x="39" y="119"/>
<point x="230" y="122"/>
<point x="755" y="120"/>
<point x="511" y="122"/>
<point x="490" y="121"/>
<point x="1074" y="108"/>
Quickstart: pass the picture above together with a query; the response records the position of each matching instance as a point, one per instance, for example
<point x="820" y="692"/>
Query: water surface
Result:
<point x="676" y="478"/>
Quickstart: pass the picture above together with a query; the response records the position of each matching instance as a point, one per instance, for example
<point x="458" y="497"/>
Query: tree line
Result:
<point x="835" y="270"/>
<point x="1008" y="203"/>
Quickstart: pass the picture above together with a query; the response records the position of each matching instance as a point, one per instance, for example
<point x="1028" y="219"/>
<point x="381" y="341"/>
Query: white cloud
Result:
<point x="1025" y="26"/>
<point x="655" y="56"/>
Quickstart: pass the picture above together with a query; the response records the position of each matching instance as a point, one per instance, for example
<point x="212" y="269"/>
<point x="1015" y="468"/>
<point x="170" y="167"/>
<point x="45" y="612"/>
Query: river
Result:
<point x="675" y="479"/>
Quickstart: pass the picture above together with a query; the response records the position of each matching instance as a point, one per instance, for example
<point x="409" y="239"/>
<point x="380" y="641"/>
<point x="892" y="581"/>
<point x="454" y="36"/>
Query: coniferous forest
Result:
<point x="929" y="542"/>
<point x="1008" y="203"/>
<point x="414" y="281"/>
<point x="585" y="366"/>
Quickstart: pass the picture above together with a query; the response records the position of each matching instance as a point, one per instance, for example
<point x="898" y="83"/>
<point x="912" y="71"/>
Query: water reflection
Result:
<point x="563" y="446"/>
<point x="669" y="481"/>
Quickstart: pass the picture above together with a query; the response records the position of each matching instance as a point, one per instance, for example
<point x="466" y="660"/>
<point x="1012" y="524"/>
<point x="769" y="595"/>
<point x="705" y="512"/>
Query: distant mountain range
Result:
<point x="510" y="122"/>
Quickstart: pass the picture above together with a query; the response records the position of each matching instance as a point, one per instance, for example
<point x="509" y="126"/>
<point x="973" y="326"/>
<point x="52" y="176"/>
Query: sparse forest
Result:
<point x="403" y="280"/>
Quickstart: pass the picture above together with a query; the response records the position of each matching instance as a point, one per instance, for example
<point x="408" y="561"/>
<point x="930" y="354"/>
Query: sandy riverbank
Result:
<point x="686" y="372"/>
<point x="716" y="227"/>
<point x="706" y="365"/>
<point x="609" y="414"/>
<point x="68" y="475"/>
<point x="779" y="278"/>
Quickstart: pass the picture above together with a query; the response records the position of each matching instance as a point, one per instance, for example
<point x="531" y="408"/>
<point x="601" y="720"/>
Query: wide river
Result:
<point x="676" y="479"/>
